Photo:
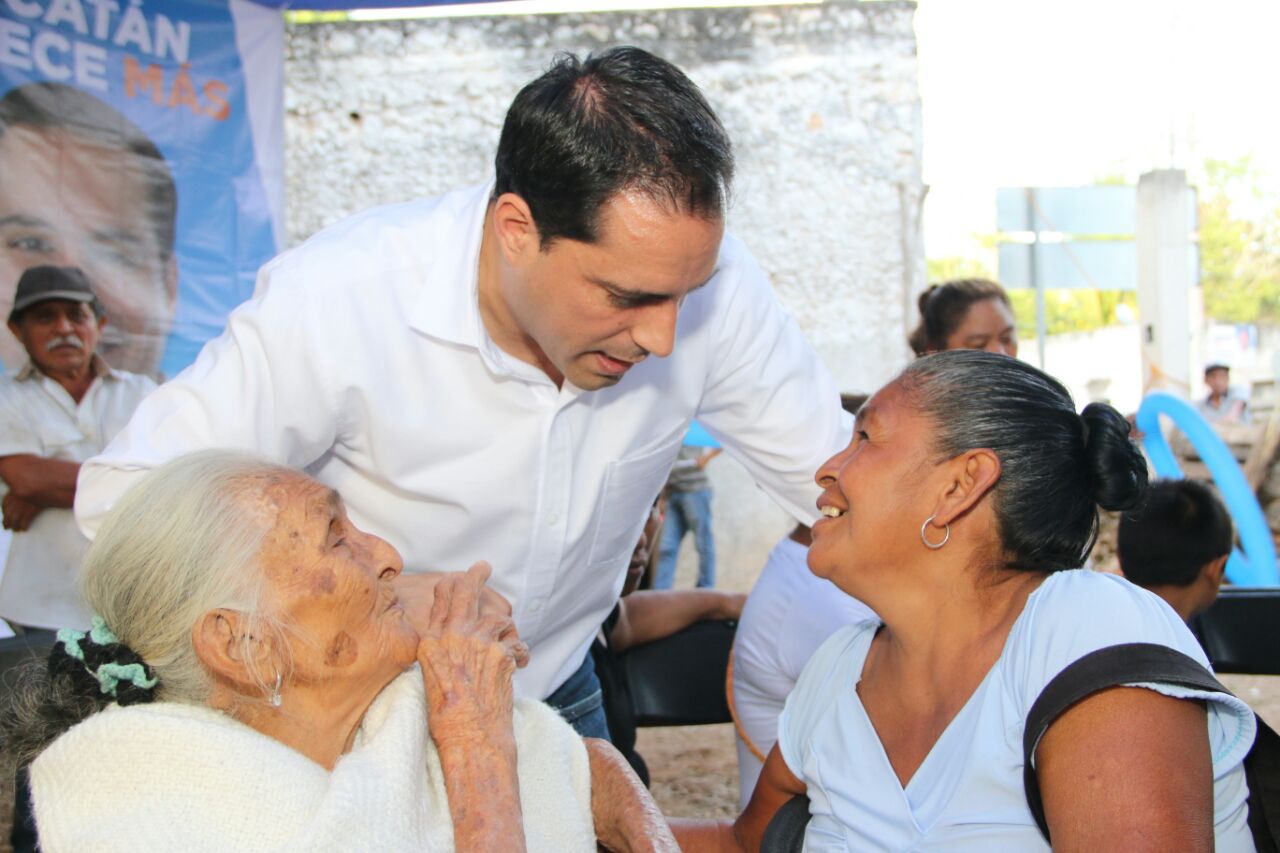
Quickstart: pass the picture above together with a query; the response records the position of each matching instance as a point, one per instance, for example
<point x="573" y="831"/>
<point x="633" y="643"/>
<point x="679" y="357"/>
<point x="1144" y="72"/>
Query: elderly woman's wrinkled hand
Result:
<point x="468" y="657"/>
<point x="416" y="592"/>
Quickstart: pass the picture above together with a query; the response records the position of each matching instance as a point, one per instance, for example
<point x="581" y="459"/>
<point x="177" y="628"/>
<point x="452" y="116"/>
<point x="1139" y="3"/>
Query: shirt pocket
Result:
<point x="629" y="489"/>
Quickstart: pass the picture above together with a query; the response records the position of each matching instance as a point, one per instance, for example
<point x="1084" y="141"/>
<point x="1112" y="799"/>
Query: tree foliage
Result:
<point x="1239" y="262"/>
<point x="1239" y="255"/>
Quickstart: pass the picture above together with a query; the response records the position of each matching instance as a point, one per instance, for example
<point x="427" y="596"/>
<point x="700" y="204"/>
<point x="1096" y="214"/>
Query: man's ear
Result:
<point x="228" y="650"/>
<point x="971" y="475"/>
<point x="1214" y="571"/>
<point x="515" y="228"/>
<point x="15" y="330"/>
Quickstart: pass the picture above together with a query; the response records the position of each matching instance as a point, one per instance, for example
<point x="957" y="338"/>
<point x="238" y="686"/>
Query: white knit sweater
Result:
<point x="167" y="776"/>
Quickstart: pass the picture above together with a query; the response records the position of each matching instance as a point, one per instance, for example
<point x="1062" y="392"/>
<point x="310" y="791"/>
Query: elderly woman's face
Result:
<point x="874" y="493"/>
<point x="332" y="584"/>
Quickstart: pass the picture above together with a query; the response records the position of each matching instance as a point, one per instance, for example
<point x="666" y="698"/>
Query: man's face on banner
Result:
<point x="69" y="202"/>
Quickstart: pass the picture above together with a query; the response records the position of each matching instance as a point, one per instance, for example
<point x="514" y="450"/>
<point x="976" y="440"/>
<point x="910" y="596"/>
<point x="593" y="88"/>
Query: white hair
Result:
<point x="183" y="541"/>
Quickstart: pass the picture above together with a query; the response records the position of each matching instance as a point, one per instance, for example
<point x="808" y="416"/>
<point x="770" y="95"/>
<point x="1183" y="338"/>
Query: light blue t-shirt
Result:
<point x="967" y="795"/>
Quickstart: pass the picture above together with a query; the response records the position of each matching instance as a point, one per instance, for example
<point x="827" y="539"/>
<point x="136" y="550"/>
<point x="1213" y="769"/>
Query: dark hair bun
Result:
<point x="1118" y="468"/>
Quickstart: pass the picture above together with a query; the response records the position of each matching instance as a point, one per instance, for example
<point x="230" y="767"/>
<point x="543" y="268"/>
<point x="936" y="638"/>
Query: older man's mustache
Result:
<point x="64" y="341"/>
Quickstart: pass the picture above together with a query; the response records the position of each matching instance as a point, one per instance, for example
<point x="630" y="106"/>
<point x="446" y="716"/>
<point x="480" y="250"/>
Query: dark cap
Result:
<point x="40" y="284"/>
<point x="1217" y="365"/>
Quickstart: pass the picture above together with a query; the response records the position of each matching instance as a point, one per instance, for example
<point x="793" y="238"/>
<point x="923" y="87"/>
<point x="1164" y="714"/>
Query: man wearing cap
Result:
<point x="1223" y="403"/>
<point x="60" y="408"/>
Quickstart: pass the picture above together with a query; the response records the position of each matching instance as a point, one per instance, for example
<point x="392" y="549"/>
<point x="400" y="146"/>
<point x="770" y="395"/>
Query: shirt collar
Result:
<point x="98" y="365"/>
<point x="447" y="307"/>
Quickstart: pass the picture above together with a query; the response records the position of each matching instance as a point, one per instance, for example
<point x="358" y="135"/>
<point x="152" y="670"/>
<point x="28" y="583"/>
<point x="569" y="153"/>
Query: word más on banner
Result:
<point x="72" y="46"/>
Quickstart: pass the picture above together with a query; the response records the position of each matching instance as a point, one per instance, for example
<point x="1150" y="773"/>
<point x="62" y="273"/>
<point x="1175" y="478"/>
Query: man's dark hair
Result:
<point x="620" y="120"/>
<point x="1178" y="529"/>
<point x="1056" y="467"/>
<point x="56" y="106"/>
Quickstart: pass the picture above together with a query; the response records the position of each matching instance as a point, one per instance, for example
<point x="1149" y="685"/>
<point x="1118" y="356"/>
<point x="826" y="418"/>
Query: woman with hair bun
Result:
<point x="968" y="313"/>
<point x="960" y="513"/>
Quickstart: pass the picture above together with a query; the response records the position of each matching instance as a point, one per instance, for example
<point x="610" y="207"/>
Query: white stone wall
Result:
<point x="821" y="103"/>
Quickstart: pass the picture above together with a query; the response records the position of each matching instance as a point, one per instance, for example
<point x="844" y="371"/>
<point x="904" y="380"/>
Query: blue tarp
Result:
<point x="345" y="5"/>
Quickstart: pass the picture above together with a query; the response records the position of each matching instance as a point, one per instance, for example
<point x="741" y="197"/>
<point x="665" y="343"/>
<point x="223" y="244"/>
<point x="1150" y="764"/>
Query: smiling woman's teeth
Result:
<point x="832" y="512"/>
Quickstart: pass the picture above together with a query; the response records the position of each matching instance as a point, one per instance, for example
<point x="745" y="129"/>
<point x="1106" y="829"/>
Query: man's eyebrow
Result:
<point x="628" y="293"/>
<point x="118" y="236"/>
<point x="22" y="219"/>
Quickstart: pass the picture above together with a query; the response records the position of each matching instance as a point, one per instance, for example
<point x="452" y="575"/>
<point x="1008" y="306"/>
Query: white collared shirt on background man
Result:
<point x="362" y="358"/>
<point x="39" y="417"/>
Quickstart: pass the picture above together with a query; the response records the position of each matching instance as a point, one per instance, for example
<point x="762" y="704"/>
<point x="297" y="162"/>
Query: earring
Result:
<point x="275" y="692"/>
<point x="933" y="546"/>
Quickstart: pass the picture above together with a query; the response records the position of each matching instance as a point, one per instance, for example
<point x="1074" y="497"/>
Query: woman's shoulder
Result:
<point x="1079" y="611"/>
<point x="152" y="736"/>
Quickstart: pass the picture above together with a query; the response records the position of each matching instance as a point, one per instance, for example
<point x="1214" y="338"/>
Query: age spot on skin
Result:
<point x="343" y="651"/>
<point x="324" y="582"/>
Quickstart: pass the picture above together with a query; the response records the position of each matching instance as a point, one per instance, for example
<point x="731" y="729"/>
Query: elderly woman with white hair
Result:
<point x="253" y="682"/>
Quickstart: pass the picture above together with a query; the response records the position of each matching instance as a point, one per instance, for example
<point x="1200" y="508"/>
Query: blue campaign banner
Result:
<point x="142" y="141"/>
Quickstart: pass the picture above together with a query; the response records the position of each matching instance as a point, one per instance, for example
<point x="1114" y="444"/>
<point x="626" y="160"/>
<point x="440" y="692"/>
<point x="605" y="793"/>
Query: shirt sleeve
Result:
<point x="1084" y="611"/>
<point x="769" y="399"/>
<point x="260" y="387"/>
<point x="16" y="435"/>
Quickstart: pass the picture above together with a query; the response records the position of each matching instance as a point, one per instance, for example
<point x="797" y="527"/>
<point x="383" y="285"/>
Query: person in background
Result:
<point x="961" y="512"/>
<point x="643" y="616"/>
<point x="1223" y="404"/>
<point x="688" y="509"/>
<point x="61" y="407"/>
<point x="1176" y="544"/>
<point x="970" y="313"/>
<point x="789" y="614"/>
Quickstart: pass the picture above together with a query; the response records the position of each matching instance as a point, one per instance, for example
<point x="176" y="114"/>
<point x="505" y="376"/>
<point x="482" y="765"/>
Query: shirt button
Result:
<point x="552" y="519"/>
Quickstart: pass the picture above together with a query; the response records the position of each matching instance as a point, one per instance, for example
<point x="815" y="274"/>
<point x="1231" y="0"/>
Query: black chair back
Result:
<point x="1241" y="631"/>
<point x="679" y="680"/>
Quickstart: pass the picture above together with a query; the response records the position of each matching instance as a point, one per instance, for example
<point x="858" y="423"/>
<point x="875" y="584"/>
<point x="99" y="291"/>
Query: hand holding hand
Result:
<point x="468" y="658"/>
<point x="417" y="593"/>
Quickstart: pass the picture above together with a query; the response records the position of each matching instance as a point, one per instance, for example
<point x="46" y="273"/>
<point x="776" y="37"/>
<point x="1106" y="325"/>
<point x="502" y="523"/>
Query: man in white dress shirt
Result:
<point x="60" y="408"/>
<point x="484" y="375"/>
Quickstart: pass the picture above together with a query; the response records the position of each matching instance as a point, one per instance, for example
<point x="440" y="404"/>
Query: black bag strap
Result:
<point x="1127" y="663"/>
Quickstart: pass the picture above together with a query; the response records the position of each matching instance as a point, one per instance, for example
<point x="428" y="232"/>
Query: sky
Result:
<point x="1050" y="93"/>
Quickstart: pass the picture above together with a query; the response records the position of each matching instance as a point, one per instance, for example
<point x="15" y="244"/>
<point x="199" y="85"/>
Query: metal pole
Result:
<point x="1041" y="322"/>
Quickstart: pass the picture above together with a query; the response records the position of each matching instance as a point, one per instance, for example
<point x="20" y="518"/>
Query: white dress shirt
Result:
<point x="363" y="359"/>
<point x="39" y="417"/>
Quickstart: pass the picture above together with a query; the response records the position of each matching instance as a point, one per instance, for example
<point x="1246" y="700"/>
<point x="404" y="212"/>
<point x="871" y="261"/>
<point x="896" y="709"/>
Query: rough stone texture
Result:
<point x="821" y="102"/>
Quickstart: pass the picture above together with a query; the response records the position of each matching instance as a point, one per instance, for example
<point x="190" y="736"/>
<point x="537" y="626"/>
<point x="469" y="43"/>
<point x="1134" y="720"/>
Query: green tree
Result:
<point x="1239" y="257"/>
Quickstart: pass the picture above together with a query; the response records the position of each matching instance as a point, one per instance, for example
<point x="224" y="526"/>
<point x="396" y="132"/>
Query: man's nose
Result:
<point x="656" y="330"/>
<point x="62" y="324"/>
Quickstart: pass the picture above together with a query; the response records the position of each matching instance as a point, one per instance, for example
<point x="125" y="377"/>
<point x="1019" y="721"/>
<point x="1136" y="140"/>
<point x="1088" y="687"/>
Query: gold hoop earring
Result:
<point x="933" y="546"/>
